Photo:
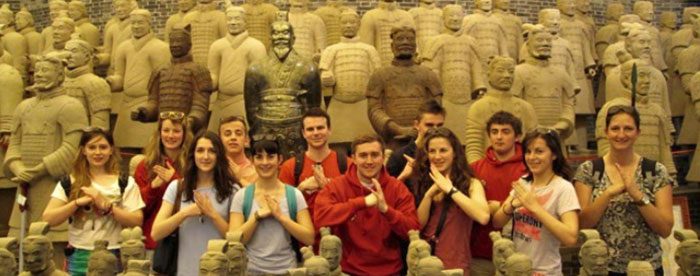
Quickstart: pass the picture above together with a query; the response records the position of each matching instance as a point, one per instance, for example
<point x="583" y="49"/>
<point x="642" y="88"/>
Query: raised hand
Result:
<point x="204" y="204"/>
<point x="273" y="205"/>
<point x="524" y="197"/>
<point x="379" y="195"/>
<point x="444" y="183"/>
<point x="165" y="173"/>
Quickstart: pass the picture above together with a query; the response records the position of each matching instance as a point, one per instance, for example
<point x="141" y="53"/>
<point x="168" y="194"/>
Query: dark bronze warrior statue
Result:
<point x="278" y="90"/>
<point x="183" y="86"/>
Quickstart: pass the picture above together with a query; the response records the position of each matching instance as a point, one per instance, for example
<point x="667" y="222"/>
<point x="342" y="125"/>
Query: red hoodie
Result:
<point x="370" y="238"/>
<point x="152" y="197"/>
<point x="498" y="177"/>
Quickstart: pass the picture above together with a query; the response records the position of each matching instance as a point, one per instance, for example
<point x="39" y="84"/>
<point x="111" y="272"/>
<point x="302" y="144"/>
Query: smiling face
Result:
<point x="622" y="132"/>
<point x="140" y="26"/>
<point x="97" y="151"/>
<point x="267" y="164"/>
<point x="316" y="132"/>
<point x="180" y="43"/>
<point x="403" y="44"/>
<point x="441" y="154"/>
<point x="204" y="155"/>
<point x="369" y="158"/>
<point x="539" y="157"/>
<point x="234" y="137"/>
<point x="46" y="75"/>
<point x="171" y="134"/>
<point x="235" y="20"/>
<point x="428" y="121"/>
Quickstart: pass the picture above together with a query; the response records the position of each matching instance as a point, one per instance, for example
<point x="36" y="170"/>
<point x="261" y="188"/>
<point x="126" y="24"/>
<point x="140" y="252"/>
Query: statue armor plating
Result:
<point x="687" y="252"/>
<point x="260" y="16"/>
<point x="694" y="172"/>
<point x="640" y="268"/>
<point x="12" y="41"/>
<point x="645" y="10"/>
<point x="330" y="14"/>
<point x="679" y="41"/>
<point x="512" y="24"/>
<point x="580" y="42"/>
<point x="11" y="96"/>
<point x="487" y="30"/>
<point x="92" y="91"/>
<point x="608" y="34"/>
<point x="428" y="19"/>
<point x="208" y="24"/>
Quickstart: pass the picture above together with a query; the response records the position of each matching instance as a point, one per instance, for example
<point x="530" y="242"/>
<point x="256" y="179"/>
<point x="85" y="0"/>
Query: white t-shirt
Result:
<point x="85" y="230"/>
<point x="532" y="238"/>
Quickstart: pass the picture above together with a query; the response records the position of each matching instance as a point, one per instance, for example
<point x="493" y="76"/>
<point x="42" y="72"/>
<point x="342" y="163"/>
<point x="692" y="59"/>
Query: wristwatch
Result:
<point x="452" y="191"/>
<point x="645" y="200"/>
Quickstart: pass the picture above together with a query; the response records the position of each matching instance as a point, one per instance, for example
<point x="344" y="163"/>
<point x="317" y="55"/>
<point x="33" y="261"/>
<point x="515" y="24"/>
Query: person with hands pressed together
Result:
<point x="205" y="199"/>
<point x="95" y="199"/>
<point x="264" y="213"/>
<point x="626" y="197"/>
<point x="542" y="205"/>
<point x="370" y="211"/>
<point x="234" y="134"/>
<point x="449" y="198"/>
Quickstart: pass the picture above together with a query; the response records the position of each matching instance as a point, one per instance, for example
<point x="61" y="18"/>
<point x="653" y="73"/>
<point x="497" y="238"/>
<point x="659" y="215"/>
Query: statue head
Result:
<point x="214" y="261"/>
<point x="503" y="5"/>
<point x="539" y="41"/>
<point x="282" y="38"/>
<point x="132" y="247"/>
<point x="235" y="20"/>
<point x="123" y="8"/>
<point x="518" y="264"/>
<point x="643" y="75"/>
<point x="101" y="261"/>
<point x="614" y="11"/>
<point x="638" y="42"/>
<point x="330" y="248"/>
<point x="501" y="72"/>
<point x="417" y="250"/>
<point x="502" y="249"/>
<point x="140" y="268"/>
<point x="403" y="42"/>
<point x="567" y="7"/>
<point x="24" y="19"/>
<point x="645" y="10"/>
<point x="36" y="247"/>
<point x="452" y="16"/>
<point x="483" y="5"/>
<point x="180" y="41"/>
<point x="317" y="266"/>
<point x="668" y="20"/>
<point x="77" y="10"/>
<point x="427" y="2"/>
<point x="63" y="27"/>
<point x="48" y="74"/>
<point x="236" y="254"/>
<point x="550" y="19"/>
<point x="687" y="253"/>
<point x="298" y="5"/>
<point x="10" y="244"/>
<point x="429" y="266"/>
<point x="56" y="7"/>
<point x="8" y="263"/>
<point x="6" y="15"/>
<point x="640" y="268"/>
<point x="80" y="52"/>
<point x="583" y="6"/>
<point x="185" y="5"/>
<point x="349" y="23"/>
<point x="140" y="23"/>
<point x="593" y="254"/>
<point x="629" y="19"/>
<point x="687" y="12"/>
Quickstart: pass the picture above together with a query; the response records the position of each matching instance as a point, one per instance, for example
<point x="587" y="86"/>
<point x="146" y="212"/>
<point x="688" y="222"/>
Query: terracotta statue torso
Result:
<point x="514" y="32"/>
<point x="489" y="33"/>
<point x="694" y="106"/>
<point x="259" y="18"/>
<point x="331" y="19"/>
<point x="93" y="93"/>
<point x="376" y="26"/>
<point x="573" y="31"/>
<point x="208" y="24"/>
<point x="562" y="56"/>
<point x="47" y="37"/>
<point x="606" y="36"/>
<point x="116" y="33"/>
<point x="657" y="57"/>
<point x="16" y="44"/>
<point x="33" y="40"/>
<point x="428" y="20"/>
<point x="310" y="33"/>
<point x="88" y="31"/>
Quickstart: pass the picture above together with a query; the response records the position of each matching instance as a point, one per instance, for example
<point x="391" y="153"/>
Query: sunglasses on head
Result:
<point x="172" y="115"/>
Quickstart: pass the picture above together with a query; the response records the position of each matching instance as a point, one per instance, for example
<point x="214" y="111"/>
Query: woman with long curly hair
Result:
<point x="97" y="199"/>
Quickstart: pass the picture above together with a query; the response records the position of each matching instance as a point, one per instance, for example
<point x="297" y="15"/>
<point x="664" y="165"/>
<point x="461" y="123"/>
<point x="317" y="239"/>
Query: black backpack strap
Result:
<point x="648" y="168"/>
<point x="342" y="161"/>
<point x="65" y="184"/>
<point x="598" y="169"/>
<point x="298" y="166"/>
<point x="123" y="182"/>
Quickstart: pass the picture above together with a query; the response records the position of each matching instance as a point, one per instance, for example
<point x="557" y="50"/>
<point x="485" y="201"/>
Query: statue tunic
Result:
<point x="46" y="37"/>
<point x="208" y="25"/>
<point x="259" y="18"/>
<point x="489" y="33"/>
<point x="135" y="60"/>
<point x="33" y="38"/>
<point x="93" y="93"/>
<point x="514" y="31"/>
<point x="376" y="25"/>
<point x="229" y="57"/>
<point x="574" y="31"/>
<point x="352" y="63"/>
<point x="428" y="19"/>
<point x="657" y="57"/>
<point x="606" y="36"/>
<point x="88" y="31"/>
<point x="680" y="41"/>
<point x="13" y="90"/>
<point x="115" y="33"/>
<point x="309" y="33"/>
<point x="331" y="19"/>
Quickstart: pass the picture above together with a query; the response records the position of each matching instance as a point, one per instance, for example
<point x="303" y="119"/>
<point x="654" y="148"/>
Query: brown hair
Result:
<point x="364" y="139"/>
<point x="155" y="152"/>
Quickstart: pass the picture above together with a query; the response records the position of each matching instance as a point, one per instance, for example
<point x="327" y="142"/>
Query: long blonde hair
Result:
<point x="155" y="151"/>
<point x="81" y="167"/>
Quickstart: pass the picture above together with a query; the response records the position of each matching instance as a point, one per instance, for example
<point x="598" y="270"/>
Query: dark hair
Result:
<point x="224" y="181"/>
<point x="368" y="138"/>
<point x="231" y="119"/>
<point x="266" y="146"/>
<point x="430" y="107"/>
<point x="622" y="109"/>
<point x="316" y="112"/>
<point x="460" y="174"/>
<point x="81" y="167"/>
<point x="551" y="138"/>
<point x="505" y="118"/>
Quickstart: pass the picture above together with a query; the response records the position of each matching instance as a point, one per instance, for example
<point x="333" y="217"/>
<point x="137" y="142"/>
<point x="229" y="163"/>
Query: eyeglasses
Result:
<point x="172" y="115"/>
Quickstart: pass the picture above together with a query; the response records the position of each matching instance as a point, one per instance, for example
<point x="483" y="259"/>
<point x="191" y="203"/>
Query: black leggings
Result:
<point x="657" y="272"/>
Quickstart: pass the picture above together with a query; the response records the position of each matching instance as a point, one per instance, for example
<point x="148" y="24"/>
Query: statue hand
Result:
<point x="139" y="114"/>
<point x="327" y="79"/>
<point x="28" y="175"/>
<point x="561" y="127"/>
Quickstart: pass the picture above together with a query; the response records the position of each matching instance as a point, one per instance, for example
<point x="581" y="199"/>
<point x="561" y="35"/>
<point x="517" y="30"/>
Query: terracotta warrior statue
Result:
<point x="214" y="261"/>
<point x="313" y="265"/>
<point x="428" y="19"/>
<point x="549" y="89"/>
<point x="680" y="41"/>
<point x="184" y="7"/>
<point x="102" y="262"/>
<point x="512" y="24"/>
<point x="376" y="26"/>
<point x="9" y="255"/>
<point x="236" y="254"/>
<point x="641" y="268"/>
<point x="488" y="31"/>
<point x="655" y="140"/>
<point x="645" y="10"/>
<point x="229" y="57"/>
<point x="331" y="248"/>
<point x="395" y="92"/>
<point x="593" y="254"/>
<point x="208" y="24"/>
<point x="561" y="55"/>
<point x="92" y="91"/>
<point x="35" y="163"/>
<point x="88" y="31"/>
<point x="12" y="41"/>
<point x="117" y="30"/>
<point x="583" y="13"/>
<point x="278" y="90"/>
<point x="608" y="34"/>
<point x="140" y="268"/>
<point x="259" y="16"/>
<point x="687" y="252"/>
<point x="432" y="266"/>
<point x="132" y="247"/>
<point x="345" y="70"/>
<point x="454" y="58"/>
<point x="497" y="98"/>
<point x="694" y="106"/>
<point x="135" y="60"/>
<point x="502" y="249"/>
<point x="13" y="90"/>
<point x="309" y="30"/>
<point x="38" y="251"/>
<point x="183" y="86"/>
<point x="56" y="9"/>
<point x="687" y="68"/>
<point x="613" y="52"/>
<point x="5" y="56"/>
<point x="24" y="22"/>
<point x="518" y="264"/>
<point x="417" y="250"/>
<point x="330" y="14"/>
<point x="667" y="26"/>
<point x="63" y="29"/>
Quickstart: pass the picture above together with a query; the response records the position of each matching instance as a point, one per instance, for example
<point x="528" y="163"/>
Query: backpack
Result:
<point x="299" y="164"/>
<point x="66" y="183"/>
<point x="648" y="168"/>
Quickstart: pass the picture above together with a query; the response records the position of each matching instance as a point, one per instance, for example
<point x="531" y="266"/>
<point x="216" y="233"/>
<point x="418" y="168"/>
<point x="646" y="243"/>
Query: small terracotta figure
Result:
<point x="331" y="248"/>
<point x="518" y="264"/>
<point x="454" y="58"/>
<point x="102" y="262"/>
<point x="236" y="254"/>
<point x="645" y="10"/>
<point x="686" y="65"/>
<point x="183" y="8"/>
<point x="612" y="54"/>
<point x="38" y="252"/>
<point x="345" y="70"/>
<point x="132" y="247"/>
<point x="694" y="106"/>
<point x="309" y="30"/>
<point x="45" y="132"/>
<point x="640" y="268"/>
<point x="214" y="261"/>
<point x="259" y="16"/>
<point x="593" y="254"/>
<point x="487" y="30"/>
<point x="497" y="98"/>
<point x="512" y="24"/>
<point x="687" y="253"/>
<point x="395" y="92"/>
<point x="315" y="265"/>
<point x="429" y="266"/>
<point x="549" y="89"/>
<point x="681" y="40"/>
<point x="63" y="27"/>
<point x="24" y="21"/>
<point x="138" y="268"/>
<point x="88" y="31"/>
<point x="428" y="19"/>
<point x="330" y="14"/>
<point x="417" y="250"/>
<point x="183" y="86"/>
<point x="56" y="8"/>
<point x="502" y="249"/>
<point x="92" y="91"/>
<point x="376" y="26"/>
<point x="9" y="256"/>
<point x="608" y="34"/>
<point x="655" y="139"/>
<point x="12" y="41"/>
<point x="278" y="90"/>
<point x="208" y="24"/>
<point x="135" y="60"/>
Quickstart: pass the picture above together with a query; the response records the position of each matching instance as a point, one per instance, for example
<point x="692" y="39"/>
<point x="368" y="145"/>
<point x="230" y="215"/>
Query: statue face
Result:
<point x="501" y="75"/>
<point x="566" y="7"/>
<point x="36" y="255"/>
<point x="646" y="13"/>
<point x="416" y="253"/>
<point x="452" y="19"/>
<point x="132" y="252"/>
<point x="583" y="6"/>
<point x="46" y="75"/>
<point x="282" y="38"/>
<point x="331" y="251"/>
<point x="551" y="21"/>
<point x="501" y="252"/>
<point x="22" y="21"/>
<point x="503" y="5"/>
<point x="140" y="26"/>
<point x="78" y="55"/>
<point x="643" y="79"/>
<point x="100" y="268"/>
<point x="180" y="44"/>
<point x="540" y="45"/>
<point x="484" y="5"/>
<point x="212" y="267"/>
<point x="404" y="45"/>
<point x="76" y="12"/>
<point x="349" y="24"/>
<point x="122" y="8"/>
<point x="639" y="45"/>
<point x="615" y="11"/>
<point x="689" y="260"/>
<point x="237" y="260"/>
<point x="8" y="263"/>
<point x="235" y="20"/>
<point x="185" y="5"/>
<point x="55" y="11"/>
<point x="61" y="33"/>
<point x="595" y="260"/>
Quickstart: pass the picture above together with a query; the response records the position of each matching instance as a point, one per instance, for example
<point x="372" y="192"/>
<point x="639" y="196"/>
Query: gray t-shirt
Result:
<point x="195" y="232"/>
<point x="270" y="248"/>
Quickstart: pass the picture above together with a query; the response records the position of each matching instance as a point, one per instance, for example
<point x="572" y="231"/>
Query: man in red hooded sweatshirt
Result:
<point x="369" y="210"/>
<point x="502" y="165"/>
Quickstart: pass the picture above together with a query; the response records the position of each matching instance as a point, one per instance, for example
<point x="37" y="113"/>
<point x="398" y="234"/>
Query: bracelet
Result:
<point x="452" y="191"/>
<point x="257" y="216"/>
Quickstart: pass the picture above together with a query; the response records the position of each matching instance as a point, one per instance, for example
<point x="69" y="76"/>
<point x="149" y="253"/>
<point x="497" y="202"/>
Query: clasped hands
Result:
<point x="314" y="183"/>
<point x="163" y="174"/>
<point x="202" y="206"/>
<point x="376" y="197"/>
<point x="269" y="207"/>
<point x="627" y="186"/>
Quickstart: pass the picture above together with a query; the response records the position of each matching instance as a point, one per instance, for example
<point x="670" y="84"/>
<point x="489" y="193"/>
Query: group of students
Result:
<point x="205" y="186"/>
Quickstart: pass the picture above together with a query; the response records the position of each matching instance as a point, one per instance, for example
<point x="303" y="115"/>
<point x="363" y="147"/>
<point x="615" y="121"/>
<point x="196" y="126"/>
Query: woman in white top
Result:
<point x="98" y="201"/>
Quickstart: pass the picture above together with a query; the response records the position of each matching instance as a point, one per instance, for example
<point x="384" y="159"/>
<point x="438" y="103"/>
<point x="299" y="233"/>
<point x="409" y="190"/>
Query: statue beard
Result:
<point x="282" y="51"/>
<point x="404" y="56"/>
